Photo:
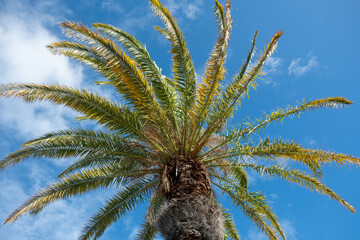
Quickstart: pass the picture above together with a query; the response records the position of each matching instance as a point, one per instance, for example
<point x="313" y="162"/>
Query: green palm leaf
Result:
<point x="183" y="68"/>
<point x="113" y="116"/>
<point x="300" y="178"/>
<point x="163" y="91"/>
<point x="240" y="85"/>
<point x="74" y="143"/>
<point x="214" y="72"/>
<point x="230" y="228"/>
<point x="148" y="230"/>
<point x="69" y="186"/>
<point x="279" y="115"/>
<point x="168" y="143"/>
<point x="117" y="206"/>
<point x="253" y="204"/>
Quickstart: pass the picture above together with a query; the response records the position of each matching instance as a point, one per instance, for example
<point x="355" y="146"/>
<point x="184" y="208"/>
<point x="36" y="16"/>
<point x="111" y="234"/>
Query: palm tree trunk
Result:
<point x="190" y="213"/>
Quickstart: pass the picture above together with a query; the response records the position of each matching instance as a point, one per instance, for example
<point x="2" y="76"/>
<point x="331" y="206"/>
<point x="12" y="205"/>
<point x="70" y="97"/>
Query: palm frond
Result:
<point x="130" y="82"/>
<point x="219" y="106"/>
<point x="69" y="186"/>
<point x="183" y="68"/>
<point x="280" y="114"/>
<point x="300" y="178"/>
<point x="254" y="205"/>
<point x="124" y="201"/>
<point x="232" y="94"/>
<point x="214" y="72"/>
<point x="113" y="116"/>
<point x="74" y="143"/>
<point x="290" y="150"/>
<point x="163" y="91"/>
<point x="101" y="160"/>
<point x="230" y="229"/>
<point x="148" y="230"/>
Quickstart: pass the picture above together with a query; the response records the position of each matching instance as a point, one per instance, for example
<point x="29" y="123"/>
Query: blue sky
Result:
<point x="317" y="57"/>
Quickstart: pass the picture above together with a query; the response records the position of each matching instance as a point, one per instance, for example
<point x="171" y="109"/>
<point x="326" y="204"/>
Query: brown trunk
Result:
<point x="190" y="213"/>
<point x="187" y="177"/>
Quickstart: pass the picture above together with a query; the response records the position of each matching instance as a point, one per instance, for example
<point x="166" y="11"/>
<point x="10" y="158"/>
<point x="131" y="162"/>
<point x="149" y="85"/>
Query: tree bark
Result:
<point x="190" y="213"/>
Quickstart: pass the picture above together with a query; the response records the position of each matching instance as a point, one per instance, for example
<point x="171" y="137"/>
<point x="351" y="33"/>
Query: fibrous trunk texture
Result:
<point x="186" y="177"/>
<point x="191" y="218"/>
<point x="190" y="213"/>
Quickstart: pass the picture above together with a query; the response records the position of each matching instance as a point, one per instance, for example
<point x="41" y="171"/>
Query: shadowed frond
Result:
<point x="254" y="205"/>
<point x="103" y="159"/>
<point x="230" y="229"/>
<point x="117" y="206"/>
<point x="148" y="229"/>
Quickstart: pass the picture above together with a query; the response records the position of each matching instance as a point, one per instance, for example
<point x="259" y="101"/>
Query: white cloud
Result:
<point x="133" y="233"/>
<point x="255" y="234"/>
<point x="62" y="219"/>
<point x="32" y="120"/>
<point x="289" y="229"/>
<point x="111" y="5"/>
<point x="271" y="67"/>
<point x="298" y="68"/>
<point x="190" y="8"/>
<point x="24" y="33"/>
<point x="287" y="226"/>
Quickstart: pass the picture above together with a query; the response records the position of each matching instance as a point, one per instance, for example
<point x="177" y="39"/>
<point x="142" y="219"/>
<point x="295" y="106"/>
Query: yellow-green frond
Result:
<point x="69" y="186"/>
<point x="163" y="91"/>
<point x="253" y="205"/>
<point x="124" y="201"/>
<point x="113" y="116"/>
<point x="278" y="115"/>
<point x="240" y="85"/>
<point x="230" y="229"/>
<point x="183" y="69"/>
<point x="133" y="84"/>
<point x="300" y="178"/>
<point x="214" y="72"/>
<point x="220" y="108"/>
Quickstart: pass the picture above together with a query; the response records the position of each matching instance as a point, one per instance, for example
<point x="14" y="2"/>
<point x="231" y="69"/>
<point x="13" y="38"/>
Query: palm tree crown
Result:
<point x="167" y="142"/>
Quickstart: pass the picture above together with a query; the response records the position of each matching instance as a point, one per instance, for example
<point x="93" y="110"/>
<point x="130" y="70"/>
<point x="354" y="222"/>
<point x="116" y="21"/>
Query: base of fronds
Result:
<point x="190" y="218"/>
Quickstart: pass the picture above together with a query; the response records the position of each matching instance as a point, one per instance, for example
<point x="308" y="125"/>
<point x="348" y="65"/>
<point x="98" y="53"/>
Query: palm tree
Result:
<point x="168" y="142"/>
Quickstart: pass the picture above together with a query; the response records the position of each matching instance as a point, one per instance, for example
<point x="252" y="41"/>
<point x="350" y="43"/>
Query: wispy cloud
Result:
<point x="190" y="8"/>
<point x="287" y="226"/>
<point x="299" y="66"/>
<point x="63" y="219"/>
<point x="255" y="234"/>
<point x="289" y="229"/>
<point x="111" y="5"/>
<point x="272" y="67"/>
<point x="24" y="58"/>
